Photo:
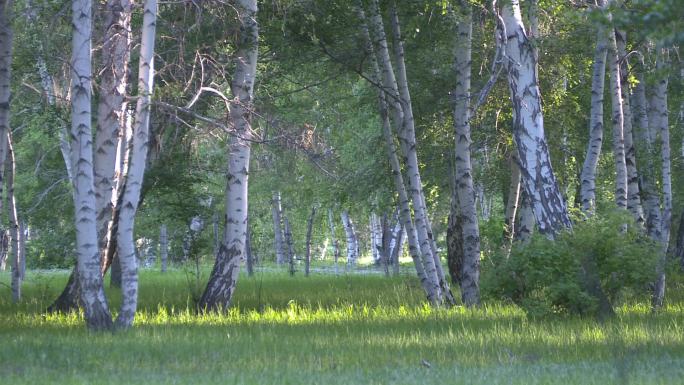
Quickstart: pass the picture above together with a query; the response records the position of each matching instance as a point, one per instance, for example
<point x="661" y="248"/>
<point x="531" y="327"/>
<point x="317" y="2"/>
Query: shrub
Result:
<point x="584" y="271"/>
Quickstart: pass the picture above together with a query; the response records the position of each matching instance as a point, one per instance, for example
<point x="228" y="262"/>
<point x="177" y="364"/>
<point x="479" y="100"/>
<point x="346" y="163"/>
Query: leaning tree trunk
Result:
<point x="13" y="216"/>
<point x="588" y="176"/>
<point x="139" y="147"/>
<point x="618" y="121"/>
<point x="223" y="279"/>
<point x="538" y="178"/>
<point x="380" y="54"/>
<point x="95" y="305"/>
<point x="277" y="228"/>
<point x="470" y="269"/>
<point x="408" y="145"/>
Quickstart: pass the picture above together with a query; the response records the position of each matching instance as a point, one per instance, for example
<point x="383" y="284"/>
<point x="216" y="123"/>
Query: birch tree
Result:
<point x="470" y="274"/>
<point x="276" y="211"/>
<point x="618" y="121"/>
<point x="588" y="175"/>
<point x="139" y="147"/>
<point x="6" y="43"/>
<point x="538" y="178"/>
<point x="88" y="256"/>
<point x="223" y="279"/>
<point x="14" y="224"/>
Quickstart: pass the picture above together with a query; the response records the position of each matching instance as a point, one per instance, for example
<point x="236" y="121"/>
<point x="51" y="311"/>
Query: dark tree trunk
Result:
<point x="70" y="299"/>
<point x="679" y="245"/>
<point x="385" y="247"/>
<point x="454" y="240"/>
<point x="222" y="281"/>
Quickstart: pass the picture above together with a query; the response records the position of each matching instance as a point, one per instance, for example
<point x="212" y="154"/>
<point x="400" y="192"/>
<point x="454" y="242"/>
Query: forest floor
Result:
<point x="327" y="329"/>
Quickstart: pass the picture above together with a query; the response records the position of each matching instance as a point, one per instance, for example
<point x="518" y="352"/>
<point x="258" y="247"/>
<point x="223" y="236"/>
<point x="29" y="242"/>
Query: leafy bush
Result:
<point x="584" y="271"/>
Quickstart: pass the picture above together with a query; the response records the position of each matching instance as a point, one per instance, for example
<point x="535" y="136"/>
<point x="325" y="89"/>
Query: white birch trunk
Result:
<point x="588" y="175"/>
<point x="633" y="193"/>
<point x="538" y="178"/>
<point x="139" y="148"/>
<point x="380" y="54"/>
<point x="618" y="121"/>
<point x="111" y="110"/>
<point x="644" y="139"/>
<point x="12" y="214"/>
<point x="88" y="256"/>
<point x="336" y="252"/>
<point x="276" y="211"/>
<point x="526" y="221"/>
<point x="352" y="247"/>
<point x="659" y="116"/>
<point x="470" y="270"/>
<point x="513" y="202"/>
<point x="223" y="279"/>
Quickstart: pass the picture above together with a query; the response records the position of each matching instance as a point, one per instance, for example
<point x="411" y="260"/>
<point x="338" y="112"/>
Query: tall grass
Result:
<point x="345" y="329"/>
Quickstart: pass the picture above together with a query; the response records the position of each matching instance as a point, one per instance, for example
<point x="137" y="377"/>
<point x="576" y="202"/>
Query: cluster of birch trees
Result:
<point x="429" y="84"/>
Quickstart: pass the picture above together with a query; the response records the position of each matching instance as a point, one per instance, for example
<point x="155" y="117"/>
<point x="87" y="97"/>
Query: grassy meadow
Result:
<point x="327" y="329"/>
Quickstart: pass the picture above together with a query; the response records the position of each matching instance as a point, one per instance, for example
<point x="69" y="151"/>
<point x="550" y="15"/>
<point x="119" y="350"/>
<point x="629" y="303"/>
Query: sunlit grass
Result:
<point x="330" y="330"/>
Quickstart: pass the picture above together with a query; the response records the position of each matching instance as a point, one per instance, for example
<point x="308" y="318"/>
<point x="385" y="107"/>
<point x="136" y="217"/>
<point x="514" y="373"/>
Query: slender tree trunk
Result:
<point x="470" y="275"/>
<point x="276" y="210"/>
<point x="380" y="54"/>
<point x="644" y="140"/>
<point x="352" y="248"/>
<point x="660" y="122"/>
<point x="588" y="176"/>
<point x="223" y="279"/>
<point x="12" y="214"/>
<point x="6" y="45"/>
<point x="289" y="244"/>
<point x="139" y="148"/>
<point x="454" y="240"/>
<point x="408" y="145"/>
<point x="111" y="112"/>
<point x="618" y="120"/>
<point x="513" y="200"/>
<point x="633" y="193"/>
<point x="309" y="229"/>
<point x="385" y="244"/>
<point x="538" y="178"/>
<point x="88" y="256"/>
<point x="163" y="247"/>
<point x="679" y="245"/>
<point x="396" y="245"/>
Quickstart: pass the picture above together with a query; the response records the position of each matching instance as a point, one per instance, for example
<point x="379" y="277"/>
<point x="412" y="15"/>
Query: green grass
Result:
<point x="330" y="330"/>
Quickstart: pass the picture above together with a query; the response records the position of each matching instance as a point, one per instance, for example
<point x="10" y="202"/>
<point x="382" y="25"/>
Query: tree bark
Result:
<point x="139" y="147"/>
<point x="88" y="256"/>
<point x="513" y="200"/>
<point x="6" y="46"/>
<point x="633" y="191"/>
<point x="618" y="121"/>
<point x="526" y="219"/>
<point x="223" y="279"/>
<point x="384" y="247"/>
<point x="276" y="211"/>
<point x="470" y="275"/>
<point x="538" y="178"/>
<point x="658" y="117"/>
<point x="588" y="176"/>
<point x="408" y="146"/>
<point x="390" y="95"/>
<point x="336" y="251"/>
<point x="248" y="251"/>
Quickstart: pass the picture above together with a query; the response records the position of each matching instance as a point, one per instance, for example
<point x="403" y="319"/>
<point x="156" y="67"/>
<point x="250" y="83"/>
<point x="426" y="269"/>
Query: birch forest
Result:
<point x="342" y="191"/>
